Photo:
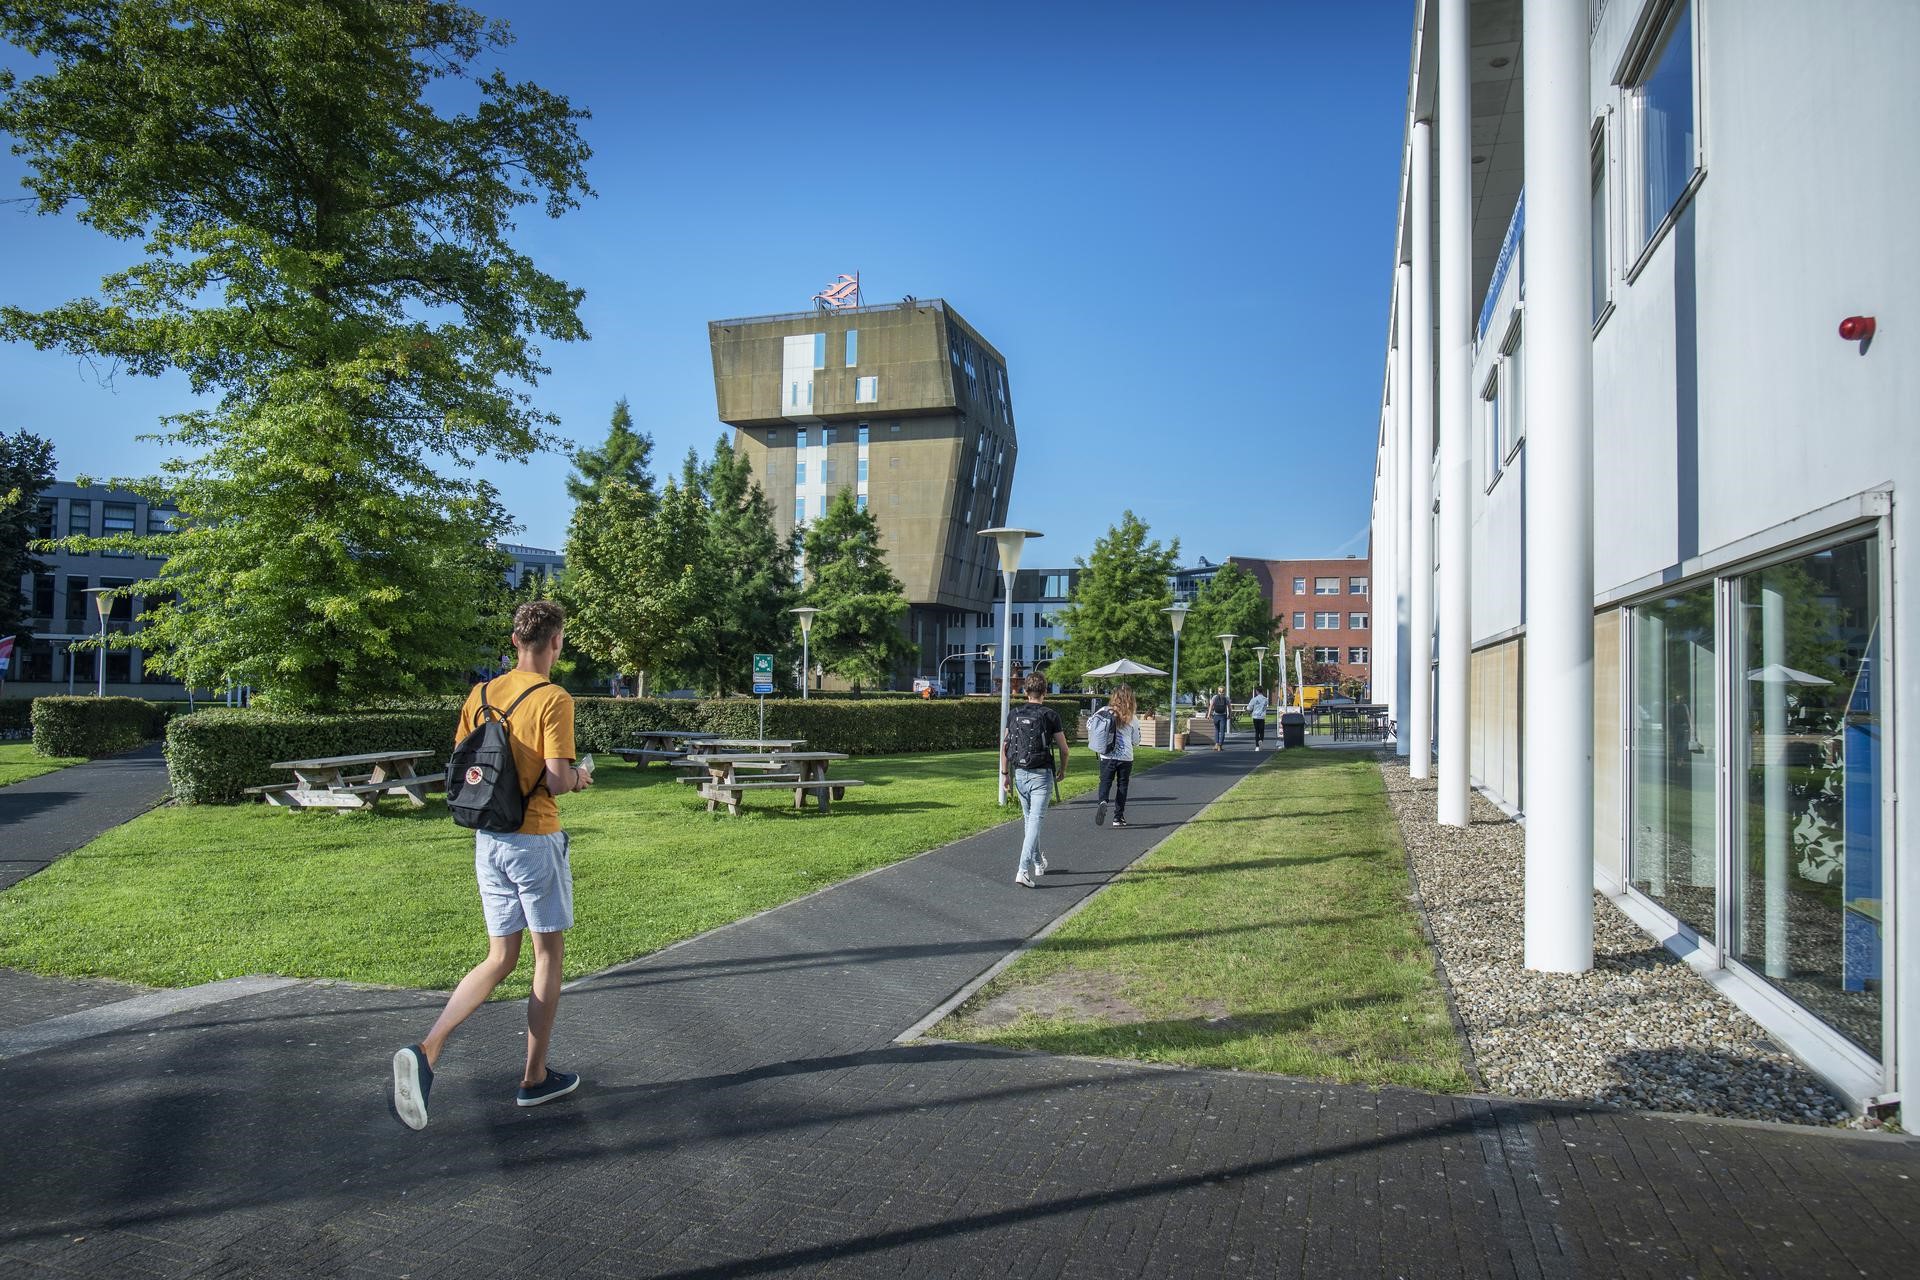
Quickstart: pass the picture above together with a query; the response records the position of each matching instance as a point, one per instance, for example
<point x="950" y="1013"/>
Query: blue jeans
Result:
<point x="1035" y="789"/>
<point x="1219" y="730"/>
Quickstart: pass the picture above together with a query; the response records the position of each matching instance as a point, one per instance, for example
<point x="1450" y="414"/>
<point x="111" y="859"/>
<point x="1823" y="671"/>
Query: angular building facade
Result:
<point x="907" y="406"/>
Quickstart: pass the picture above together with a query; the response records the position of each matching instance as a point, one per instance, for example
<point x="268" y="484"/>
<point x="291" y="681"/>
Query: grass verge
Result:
<point x="192" y="894"/>
<point x="1272" y="933"/>
<point x="18" y="762"/>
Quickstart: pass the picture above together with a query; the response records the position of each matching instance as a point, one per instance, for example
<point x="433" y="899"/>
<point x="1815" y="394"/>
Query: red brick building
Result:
<point x="1325" y="604"/>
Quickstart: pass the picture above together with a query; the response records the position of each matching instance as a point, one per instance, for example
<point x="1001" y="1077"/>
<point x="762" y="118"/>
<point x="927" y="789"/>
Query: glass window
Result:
<point x="828" y="435"/>
<point x="77" y="604"/>
<point x="1597" y="220"/>
<point x="799" y="473"/>
<point x="1020" y="619"/>
<point x="43" y="596"/>
<point x="1326" y="653"/>
<point x="1490" y="427"/>
<point x="48" y="521"/>
<point x="800" y="438"/>
<point x="863" y="471"/>
<point x="1808" y="715"/>
<point x="853" y="347"/>
<point x="162" y="520"/>
<point x="1357" y="621"/>
<point x="1513" y="368"/>
<point x="1673" y="688"/>
<point x="79" y="517"/>
<point x="1326" y="586"/>
<point x="860" y="502"/>
<point x="862" y="437"/>
<point x="820" y="505"/>
<point x="1326" y="621"/>
<point x="116" y="518"/>
<point x="1356" y="586"/>
<point x="1357" y="654"/>
<point x="1664" y="96"/>
<point x="793" y="395"/>
<point x="829" y="472"/>
<point x="1299" y="586"/>
<point x="799" y="510"/>
<point x="1300" y="621"/>
<point x="120" y="608"/>
<point x="866" y="390"/>
<point x="819" y="350"/>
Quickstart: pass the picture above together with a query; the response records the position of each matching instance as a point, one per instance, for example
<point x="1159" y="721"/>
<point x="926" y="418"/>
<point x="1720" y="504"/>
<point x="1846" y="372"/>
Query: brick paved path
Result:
<point x="746" y="1114"/>
<point x="46" y="818"/>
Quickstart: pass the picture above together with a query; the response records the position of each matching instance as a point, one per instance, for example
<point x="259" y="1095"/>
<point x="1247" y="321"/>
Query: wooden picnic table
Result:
<point x="661" y="744"/>
<point x="755" y="744"/>
<point x="801" y="772"/>
<point x="351" y="782"/>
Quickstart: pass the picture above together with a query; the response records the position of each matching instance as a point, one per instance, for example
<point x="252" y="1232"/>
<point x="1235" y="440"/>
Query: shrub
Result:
<point x="95" y="726"/>
<point x="213" y="756"/>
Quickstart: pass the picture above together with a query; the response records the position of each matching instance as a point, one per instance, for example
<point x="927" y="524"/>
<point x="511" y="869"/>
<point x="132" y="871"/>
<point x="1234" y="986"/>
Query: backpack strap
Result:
<point x="487" y="708"/>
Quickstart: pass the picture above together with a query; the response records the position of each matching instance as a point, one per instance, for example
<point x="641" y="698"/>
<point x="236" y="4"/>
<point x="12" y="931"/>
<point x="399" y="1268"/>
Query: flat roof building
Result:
<point x="906" y="406"/>
<point x="1325" y="604"/>
<point x="1640" y="464"/>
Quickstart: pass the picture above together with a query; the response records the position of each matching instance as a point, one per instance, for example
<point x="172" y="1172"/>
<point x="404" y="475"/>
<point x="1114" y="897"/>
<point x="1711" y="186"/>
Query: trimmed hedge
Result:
<point x="213" y="756"/>
<point x="95" y="726"/>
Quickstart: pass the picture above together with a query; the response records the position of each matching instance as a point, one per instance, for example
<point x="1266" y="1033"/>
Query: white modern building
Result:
<point x="1645" y="440"/>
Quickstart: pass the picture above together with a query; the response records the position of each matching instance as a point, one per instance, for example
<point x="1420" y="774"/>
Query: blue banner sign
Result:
<point x="1509" y="253"/>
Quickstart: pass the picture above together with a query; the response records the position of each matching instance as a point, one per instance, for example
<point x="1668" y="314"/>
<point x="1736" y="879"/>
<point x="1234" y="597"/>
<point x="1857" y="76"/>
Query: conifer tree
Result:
<point x="857" y="634"/>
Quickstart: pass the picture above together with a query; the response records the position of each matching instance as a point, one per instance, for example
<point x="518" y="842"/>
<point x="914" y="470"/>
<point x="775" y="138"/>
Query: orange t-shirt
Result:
<point x="541" y="730"/>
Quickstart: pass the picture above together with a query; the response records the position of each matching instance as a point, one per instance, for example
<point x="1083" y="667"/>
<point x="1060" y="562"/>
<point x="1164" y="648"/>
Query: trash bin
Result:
<point x="1293" y="729"/>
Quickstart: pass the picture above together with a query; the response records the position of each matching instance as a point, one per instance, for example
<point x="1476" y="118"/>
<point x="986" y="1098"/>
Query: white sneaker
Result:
<point x="1024" y="879"/>
<point x="1039" y="864"/>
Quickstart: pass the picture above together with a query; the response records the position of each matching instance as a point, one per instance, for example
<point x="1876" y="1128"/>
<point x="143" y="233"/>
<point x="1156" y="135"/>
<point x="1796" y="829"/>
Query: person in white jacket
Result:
<point x="1257" y="708"/>
<point x="1116" y="762"/>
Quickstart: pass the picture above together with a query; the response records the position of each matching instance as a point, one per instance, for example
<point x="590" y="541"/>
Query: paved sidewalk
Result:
<point x="46" y="818"/>
<point x="746" y="1114"/>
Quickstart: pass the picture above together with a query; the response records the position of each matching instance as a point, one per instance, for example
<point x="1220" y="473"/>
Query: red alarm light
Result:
<point x="1857" y="328"/>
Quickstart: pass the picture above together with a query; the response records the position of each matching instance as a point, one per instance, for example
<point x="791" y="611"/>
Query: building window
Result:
<point x="79" y="518"/>
<point x="1356" y="586"/>
<point x="827" y="436"/>
<point x="1326" y="586"/>
<point x="1299" y="586"/>
<point x="800" y="474"/>
<point x="861" y="438"/>
<point x="1512" y="394"/>
<point x="1327" y="621"/>
<point x="1356" y="622"/>
<point x="1300" y="620"/>
<point x="77" y="603"/>
<point x="48" y="521"/>
<point x="43" y="597"/>
<point x="1020" y="619"/>
<point x="161" y="520"/>
<point x="819" y="350"/>
<point x="829" y="472"/>
<point x="1597" y="222"/>
<point x="1662" y="95"/>
<point x="799" y="510"/>
<point x="1675" y="695"/>
<point x="1326" y="653"/>
<point x="1357" y="655"/>
<point x="800" y="438"/>
<point x="866" y="390"/>
<point x="820" y="505"/>
<point x="853" y="347"/>
<point x="116" y="518"/>
<point x="1019" y="653"/>
<point x="1490" y="428"/>
<point x="863" y="471"/>
<point x="860" y="502"/>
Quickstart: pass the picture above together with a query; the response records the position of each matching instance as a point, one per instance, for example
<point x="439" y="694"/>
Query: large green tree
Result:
<point x="753" y="575"/>
<point x="26" y="467"/>
<point x="857" y="634"/>
<point x="1116" y="610"/>
<point x="324" y="195"/>
<point x="625" y="455"/>
<point x="638" y="588"/>
<point x="1230" y="603"/>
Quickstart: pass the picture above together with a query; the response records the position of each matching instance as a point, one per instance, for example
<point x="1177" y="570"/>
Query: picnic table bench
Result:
<point x="351" y="782"/>
<point x="801" y="772"/>
<point x="661" y="744"/>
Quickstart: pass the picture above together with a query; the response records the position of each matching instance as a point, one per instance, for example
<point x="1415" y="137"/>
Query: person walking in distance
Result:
<point x="1034" y="733"/>
<point x="1221" y="710"/>
<point x="1116" y="761"/>
<point x="526" y="880"/>
<point x="1257" y="708"/>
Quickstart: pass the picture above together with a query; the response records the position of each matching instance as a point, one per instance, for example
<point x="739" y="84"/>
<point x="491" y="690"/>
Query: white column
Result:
<point x="1419" y="721"/>
<point x="1402" y="499"/>
<point x="1559" y="508"/>
<point x="1382" y="636"/>
<point x="1456" y="411"/>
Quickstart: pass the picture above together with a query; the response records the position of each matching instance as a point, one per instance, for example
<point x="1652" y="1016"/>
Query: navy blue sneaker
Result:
<point x="558" y="1084"/>
<point x="412" y="1082"/>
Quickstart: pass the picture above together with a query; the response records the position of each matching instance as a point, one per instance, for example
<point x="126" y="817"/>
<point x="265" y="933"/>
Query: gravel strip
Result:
<point x="1641" y="1029"/>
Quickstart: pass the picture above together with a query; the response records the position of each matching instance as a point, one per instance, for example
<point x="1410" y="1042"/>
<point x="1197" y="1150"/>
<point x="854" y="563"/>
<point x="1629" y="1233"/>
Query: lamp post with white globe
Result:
<point x="806" y="631"/>
<point x="1009" y="541"/>
<point x="1178" y="616"/>
<point x="1226" y="640"/>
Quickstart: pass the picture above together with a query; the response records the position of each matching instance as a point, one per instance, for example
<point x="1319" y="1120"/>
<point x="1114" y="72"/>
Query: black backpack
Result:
<point x="483" y="783"/>
<point x="1028" y="745"/>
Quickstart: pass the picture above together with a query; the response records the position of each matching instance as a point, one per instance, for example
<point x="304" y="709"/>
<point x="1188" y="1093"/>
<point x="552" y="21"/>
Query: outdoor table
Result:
<point x="755" y="744"/>
<point x="799" y="771"/>
<point x="661" y="744"/>
<point x="351" y="782"/>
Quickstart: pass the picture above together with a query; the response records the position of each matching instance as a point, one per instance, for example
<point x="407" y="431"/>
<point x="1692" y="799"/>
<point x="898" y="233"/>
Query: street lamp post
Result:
<point x="1226" y="640"/>
<point x="1260" y="680"/>
<point x="985" y="651"/>
<point x="1178" y="615"/>
<point x="806" y="633"/>
<point x="1009" y="541"/>
<point x="102" y="606"/>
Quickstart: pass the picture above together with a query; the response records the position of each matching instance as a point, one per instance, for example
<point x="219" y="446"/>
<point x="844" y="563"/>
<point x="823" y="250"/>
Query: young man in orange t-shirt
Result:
<point x="526" y="880"/>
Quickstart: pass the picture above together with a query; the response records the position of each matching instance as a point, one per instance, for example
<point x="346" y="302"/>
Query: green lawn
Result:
<point x="18" y="762"/>
<point x="191" y="894"/>
<point x="1273" y="933"/>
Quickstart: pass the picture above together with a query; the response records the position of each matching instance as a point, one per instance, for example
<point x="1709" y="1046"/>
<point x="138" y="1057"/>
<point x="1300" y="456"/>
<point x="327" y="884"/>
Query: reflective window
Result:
<point x="853" y="347"/>
<point x="800" y="438"/>
<point x="1326" y="621"/>
<point x="116" y="518"/>
<point x="1356" y="586"/>
<point x="1673" y="848"/>
<point x="819" y="350"/>
<point x="1357" y="621"/>
<point x="863" y="470"/>
<point x="1326" y="586"/>
<point x="1327" y="653"/>
<point x="860" y="502"/>
<point x="866" y="390"/>
<point x="1300" y="621"/>
<point x="1665" y="98"/>
<point x="1357" y="655"/>
<point x="1808" y="902"/>
<point x="1299" y="586"/>
<point x="1597" y="218"/>
<point x="828" y="435"/>
<point x="863" y="435"/>
<point x="799" y="510"/>
<point x="799" y="473"/>
<point x="79" y="517"/>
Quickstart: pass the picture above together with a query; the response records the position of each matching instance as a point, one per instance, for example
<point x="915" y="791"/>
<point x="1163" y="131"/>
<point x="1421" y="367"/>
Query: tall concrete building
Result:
<point x="907" y="406"/>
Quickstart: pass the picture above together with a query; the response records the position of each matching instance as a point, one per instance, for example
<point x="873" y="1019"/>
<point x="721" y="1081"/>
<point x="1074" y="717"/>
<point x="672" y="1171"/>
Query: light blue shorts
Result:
<point x="526" y="881"/>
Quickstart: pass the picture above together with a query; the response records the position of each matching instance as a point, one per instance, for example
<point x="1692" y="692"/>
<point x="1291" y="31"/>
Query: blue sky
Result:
<point x="1175" y="221"/>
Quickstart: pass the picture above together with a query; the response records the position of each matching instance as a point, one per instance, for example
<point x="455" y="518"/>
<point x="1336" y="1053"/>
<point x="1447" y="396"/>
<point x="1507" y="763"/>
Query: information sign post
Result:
<point x="763" y="685"/>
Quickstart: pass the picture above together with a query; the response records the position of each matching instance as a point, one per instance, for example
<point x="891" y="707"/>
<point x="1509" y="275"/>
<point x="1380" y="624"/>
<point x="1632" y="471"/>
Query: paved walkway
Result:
<point x="46" y="818"/>
<point x="746" y="1113"/>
